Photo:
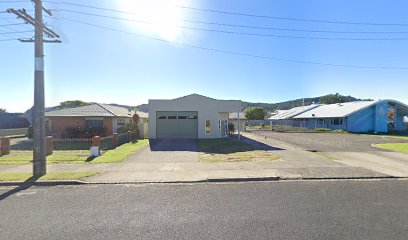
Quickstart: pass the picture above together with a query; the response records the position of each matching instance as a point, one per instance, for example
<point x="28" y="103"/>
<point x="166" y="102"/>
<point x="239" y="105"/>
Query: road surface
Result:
<point x="375" y="209"/>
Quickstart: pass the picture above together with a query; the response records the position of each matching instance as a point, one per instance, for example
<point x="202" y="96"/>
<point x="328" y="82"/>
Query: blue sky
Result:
<point x="95" y="64"/>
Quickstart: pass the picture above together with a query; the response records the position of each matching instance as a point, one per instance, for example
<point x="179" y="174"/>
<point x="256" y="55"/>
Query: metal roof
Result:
<point x="92" y="110"/>
<point x="286" y="114"/>
<point x="340" y="110"/>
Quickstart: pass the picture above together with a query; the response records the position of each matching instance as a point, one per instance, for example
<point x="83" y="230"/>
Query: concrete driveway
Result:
<point x="168" y="150"/>
<point x="330" y="142"/>
<point x="354" y="150"/>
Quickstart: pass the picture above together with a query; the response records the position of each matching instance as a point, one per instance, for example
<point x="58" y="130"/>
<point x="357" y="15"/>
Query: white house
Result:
<point x="193" y="116"/>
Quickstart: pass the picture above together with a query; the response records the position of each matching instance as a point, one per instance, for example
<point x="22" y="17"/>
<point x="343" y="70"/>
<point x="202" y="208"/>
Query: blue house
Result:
<point x="380" y="116"/>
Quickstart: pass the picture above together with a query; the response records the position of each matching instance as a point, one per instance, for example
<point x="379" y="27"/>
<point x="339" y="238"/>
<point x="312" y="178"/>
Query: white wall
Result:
<point x="207" y="108"/>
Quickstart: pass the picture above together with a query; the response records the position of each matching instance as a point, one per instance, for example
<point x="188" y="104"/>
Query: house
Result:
<point x="193" y="116"/>
<point x="95" y="119"/>
<point x="362" y="116"/>
<point x="13" y="120"/>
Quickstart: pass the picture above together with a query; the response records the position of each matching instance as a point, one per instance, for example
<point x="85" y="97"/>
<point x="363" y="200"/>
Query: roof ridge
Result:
<point x="100" y="105"/>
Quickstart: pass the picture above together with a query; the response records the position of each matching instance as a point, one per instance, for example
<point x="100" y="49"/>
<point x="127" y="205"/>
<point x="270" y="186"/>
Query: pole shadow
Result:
<point x="23" y="186"/>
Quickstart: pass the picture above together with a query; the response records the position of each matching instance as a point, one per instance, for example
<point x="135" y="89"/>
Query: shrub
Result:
<point x="128" y="127"/>
<point x="323" y="129"/>
<point x="79" y="132"/>
<point x="231" y="128"/>
<point x="30" y="132"/>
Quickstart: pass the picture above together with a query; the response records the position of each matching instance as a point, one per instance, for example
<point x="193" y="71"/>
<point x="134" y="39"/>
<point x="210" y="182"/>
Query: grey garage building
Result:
<point x="176" y="124"/>
<point x="193" y="116"/>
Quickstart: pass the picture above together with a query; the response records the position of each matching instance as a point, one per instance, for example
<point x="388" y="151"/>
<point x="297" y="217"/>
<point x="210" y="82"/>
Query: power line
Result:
<point x="235" y="53"/>
<point x="14" y="1"/>
<point x="11" y="24"/>
<point x="7" y="39"/>
<point x="7" y="33"/>
<point x="233" y="25"/>
<point x="246" y="33"/>
<point x="250" y="15"/>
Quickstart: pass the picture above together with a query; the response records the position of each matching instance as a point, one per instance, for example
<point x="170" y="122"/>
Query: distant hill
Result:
<point x="297" y="103"/>
<point x="268" y="106"/>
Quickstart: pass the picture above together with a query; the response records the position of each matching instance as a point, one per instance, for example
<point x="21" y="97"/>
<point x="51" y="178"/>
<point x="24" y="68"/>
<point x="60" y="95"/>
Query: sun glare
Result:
<point x="165" y="16"/>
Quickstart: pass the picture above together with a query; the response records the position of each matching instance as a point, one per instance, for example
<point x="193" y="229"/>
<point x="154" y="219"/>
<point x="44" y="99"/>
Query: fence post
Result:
<point x="49" y="145"/>
<point x="115" y="140"/>
<point x="129" y="136"/>
<point x="96" y="142"/>
<point x="4" y="146"/>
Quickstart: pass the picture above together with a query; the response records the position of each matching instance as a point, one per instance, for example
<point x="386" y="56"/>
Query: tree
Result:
<point x="2" y="110"/>
<point x="255" y="113"/>
<point x="333" y="98"/>
<point x="71" y="104"/>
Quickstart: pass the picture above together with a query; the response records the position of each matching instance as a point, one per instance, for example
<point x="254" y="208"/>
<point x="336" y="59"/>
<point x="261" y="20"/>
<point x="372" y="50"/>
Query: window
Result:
<point x="182" y="117"/>
<point x="320" y="121"/>
<point x="207" y="126"/>
<point x="94" y="123"/>
<point x="337" y="121"/>
<point x="121" y="123"/>
<point x="162" y="117"/>
<point x="172" y="117"/>
<point x="192" y="117"/>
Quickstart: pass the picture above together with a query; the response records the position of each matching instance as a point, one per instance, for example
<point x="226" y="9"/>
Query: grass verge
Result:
<point x="22" y="177"/>
<point x="225" y="150"/>
<point x="325" y="155"/>
<point x="77" y="156"/>
<point x="397" y="147"/>
<point x="391" y="135"/>
<point x="122" y="152"/>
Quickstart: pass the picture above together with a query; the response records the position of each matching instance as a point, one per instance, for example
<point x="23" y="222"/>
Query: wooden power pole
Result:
<point x="39" y="132"/>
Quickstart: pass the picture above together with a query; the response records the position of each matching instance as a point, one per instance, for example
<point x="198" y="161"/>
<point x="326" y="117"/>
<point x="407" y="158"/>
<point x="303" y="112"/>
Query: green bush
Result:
<point x="30" y="132"/>
<point x="231" y="128"/>
<point x="323" y="130"/>
<point x="128" y="127"/>
<point x="79" y="132"/>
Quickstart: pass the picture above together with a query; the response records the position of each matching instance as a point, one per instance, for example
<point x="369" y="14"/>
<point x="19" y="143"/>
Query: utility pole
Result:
<point x="39" y="155"/>
<point x="39" y="133"/>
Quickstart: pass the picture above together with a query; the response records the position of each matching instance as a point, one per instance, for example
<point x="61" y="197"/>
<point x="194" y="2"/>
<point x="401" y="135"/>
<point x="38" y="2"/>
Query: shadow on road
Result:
<point x="23" y="186"/>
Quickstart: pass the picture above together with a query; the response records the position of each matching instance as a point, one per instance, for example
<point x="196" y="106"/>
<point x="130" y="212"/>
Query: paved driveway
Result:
<point x="330" y="142"/>
<point x="354" y="150"/>
<point x="168" y="150"/>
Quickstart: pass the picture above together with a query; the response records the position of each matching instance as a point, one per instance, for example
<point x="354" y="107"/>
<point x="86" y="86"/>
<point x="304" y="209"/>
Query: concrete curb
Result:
<point x="211" y="180"/>
<point x="44" y="183"/>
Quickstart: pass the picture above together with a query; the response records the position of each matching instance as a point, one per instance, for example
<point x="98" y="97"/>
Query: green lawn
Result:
<point x="398" y="147"/>
<point x="391" y="135"/>
<point x="225" y="150"/>
<point x="77" y="156"/>
<point x="22" y="177"/>
<point x="26" y="157"/>
<point x="122" y="152"/>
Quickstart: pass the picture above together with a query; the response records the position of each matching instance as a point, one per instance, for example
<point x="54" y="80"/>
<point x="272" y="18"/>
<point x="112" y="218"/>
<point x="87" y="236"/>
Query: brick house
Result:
<point x="103" y="119"/>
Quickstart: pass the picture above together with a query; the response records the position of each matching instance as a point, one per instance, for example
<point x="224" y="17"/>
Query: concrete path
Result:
<point x="178" y="161"/>
<point x="350" y="149"/>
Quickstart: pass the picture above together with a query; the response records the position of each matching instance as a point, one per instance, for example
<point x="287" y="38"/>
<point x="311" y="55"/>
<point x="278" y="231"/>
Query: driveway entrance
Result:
<point x="168" y="150"/>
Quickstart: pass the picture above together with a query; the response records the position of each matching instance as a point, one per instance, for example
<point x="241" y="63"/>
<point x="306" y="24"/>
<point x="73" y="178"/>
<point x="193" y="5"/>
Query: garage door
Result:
<point x="176" y="124"/>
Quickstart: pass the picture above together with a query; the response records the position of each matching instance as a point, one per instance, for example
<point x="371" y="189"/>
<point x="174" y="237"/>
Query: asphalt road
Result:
<point x="330" y="142"/>
<point x="257" y="210"/>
